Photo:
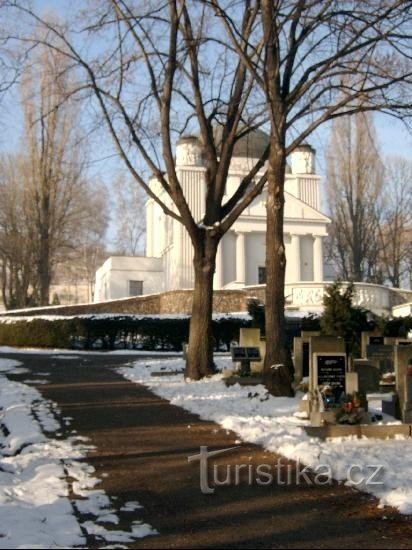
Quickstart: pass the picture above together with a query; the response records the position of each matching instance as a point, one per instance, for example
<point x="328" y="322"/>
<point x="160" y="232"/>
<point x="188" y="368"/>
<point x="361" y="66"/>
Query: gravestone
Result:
<point x="406" y="412"/>
<point x="328" y="344"/>
<point x="245" y="356"/>
<point x="403" y="359"/>
<point x="329" y="369"/>
<point x="403" y="342"/>
<point x="368" y="338"/>
<point x="382" y="356"/>
<point x="368" y="377"/>
<point x="250" y="337"/>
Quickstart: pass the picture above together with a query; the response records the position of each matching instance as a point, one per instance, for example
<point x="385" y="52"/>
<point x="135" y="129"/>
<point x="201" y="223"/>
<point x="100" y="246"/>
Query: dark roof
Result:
<point x="251" y="145"/>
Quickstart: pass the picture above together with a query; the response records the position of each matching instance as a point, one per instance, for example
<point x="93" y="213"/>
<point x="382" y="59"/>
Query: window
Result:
<point x="261" y="275"/>
<point x="135" y="288"/>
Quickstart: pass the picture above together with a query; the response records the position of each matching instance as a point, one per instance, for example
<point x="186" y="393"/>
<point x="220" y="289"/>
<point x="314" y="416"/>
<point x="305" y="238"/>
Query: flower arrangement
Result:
<point x="349" y="410"/>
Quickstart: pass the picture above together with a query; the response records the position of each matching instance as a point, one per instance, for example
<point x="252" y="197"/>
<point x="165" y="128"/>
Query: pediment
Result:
<point x="295" y="209"/>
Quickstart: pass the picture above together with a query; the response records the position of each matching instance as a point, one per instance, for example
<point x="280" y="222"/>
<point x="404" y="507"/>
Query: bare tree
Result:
<point x="156" y="72"/>
<point x="48" y="207"/>
<point x="396" y="226"/>
<point x="129" y="217"/>
<point x="315" y="61"/>
<point x="354" y="187"/>
<point x="16" y="237"/>
<point x="60" y="197"/>
<point x="80" y="225"/>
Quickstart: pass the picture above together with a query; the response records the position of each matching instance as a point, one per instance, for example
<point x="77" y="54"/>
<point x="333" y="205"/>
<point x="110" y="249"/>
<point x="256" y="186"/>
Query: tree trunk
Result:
<point x="278" y="379"/>
<point x="44" y="245"/>
<point x="199" y="361"/>
<point x="44" y="271"/>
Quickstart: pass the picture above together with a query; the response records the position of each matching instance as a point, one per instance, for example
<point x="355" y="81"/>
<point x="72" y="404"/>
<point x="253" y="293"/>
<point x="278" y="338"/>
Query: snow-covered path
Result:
<point x="49" y="497"/>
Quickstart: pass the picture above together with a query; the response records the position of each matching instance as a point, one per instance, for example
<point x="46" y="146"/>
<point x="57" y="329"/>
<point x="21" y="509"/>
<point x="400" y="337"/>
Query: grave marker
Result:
<point x="329" y="369"/>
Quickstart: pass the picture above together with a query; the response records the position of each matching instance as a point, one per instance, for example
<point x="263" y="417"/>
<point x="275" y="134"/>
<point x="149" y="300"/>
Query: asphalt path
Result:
<point x="141" y="449"/>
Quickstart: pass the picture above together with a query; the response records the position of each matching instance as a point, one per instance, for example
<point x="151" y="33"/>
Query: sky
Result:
<point x="393" y="137"/>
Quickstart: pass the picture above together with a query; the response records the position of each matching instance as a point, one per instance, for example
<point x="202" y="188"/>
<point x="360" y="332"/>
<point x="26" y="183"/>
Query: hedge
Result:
<point x="113" y="332"/>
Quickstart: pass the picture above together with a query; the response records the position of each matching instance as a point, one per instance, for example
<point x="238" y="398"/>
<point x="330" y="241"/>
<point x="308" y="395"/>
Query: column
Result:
<point x="218" y="278"/>
<point x="295" y="258"/>
<point x="240" y="259"/>
<point x="149" y="228"/>
<point x="317" y="259"/>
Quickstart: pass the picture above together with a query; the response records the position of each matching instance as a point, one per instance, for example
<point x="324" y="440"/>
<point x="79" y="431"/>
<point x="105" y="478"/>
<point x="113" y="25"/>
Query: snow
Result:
<point x="259" y="418"/>
<point x="100" y="316"/>
<point x="39" y="471"/>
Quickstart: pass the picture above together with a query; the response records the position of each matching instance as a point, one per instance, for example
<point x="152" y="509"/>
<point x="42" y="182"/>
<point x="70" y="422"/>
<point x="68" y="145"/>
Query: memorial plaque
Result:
<point x="238" y="354"/>
<point x="404" y="342"/>
<point x="331" y="371"/>
<point x="253" y="354"/>
<point x="382" y="356"/>
<point x="376" y="340"/>
<point x="380" y="351"/>
<point x="245" y="354"/>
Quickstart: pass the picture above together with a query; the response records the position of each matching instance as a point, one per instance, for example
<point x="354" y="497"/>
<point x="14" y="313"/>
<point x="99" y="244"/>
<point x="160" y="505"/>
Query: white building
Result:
<point x="241" y="255"/>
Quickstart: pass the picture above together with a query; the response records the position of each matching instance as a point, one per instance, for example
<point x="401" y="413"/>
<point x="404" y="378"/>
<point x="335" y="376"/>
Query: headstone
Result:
<point x="329" y="369"/>
<point x="368" y="338"/>
<point x="403" y="360"/>
<point x="324" y="344"/>
<point x="250" y="337"/>
<point x="382" y="356"/>
<point x="245" y="356"/>
<point x="406" y="412"/>
<point x="376" y="340"/>
<point x="403" y="342"/>
<point x="368" y="377"/>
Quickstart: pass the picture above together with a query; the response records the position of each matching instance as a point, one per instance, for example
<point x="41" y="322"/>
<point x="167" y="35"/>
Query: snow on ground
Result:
<point x="260" y="418"/>
<point x="38" y="471"/>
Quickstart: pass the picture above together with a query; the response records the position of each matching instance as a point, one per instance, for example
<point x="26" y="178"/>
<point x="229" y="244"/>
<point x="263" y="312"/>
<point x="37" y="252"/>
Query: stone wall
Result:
<point x="174" y="301"/>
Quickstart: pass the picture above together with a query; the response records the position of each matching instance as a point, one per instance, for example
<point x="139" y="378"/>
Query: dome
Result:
<point x="251" y="145"/>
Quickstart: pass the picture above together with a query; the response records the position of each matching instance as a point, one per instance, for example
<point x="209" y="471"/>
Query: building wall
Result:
<point x="112" y="279"/>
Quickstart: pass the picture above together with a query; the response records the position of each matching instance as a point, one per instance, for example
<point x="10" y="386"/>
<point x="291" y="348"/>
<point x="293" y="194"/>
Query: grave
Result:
<point x="381" y="356"/>
<point x="245" y="356"/>
<point x="250" y="337"/>
<point x="323" y="349"/>
<point x="329" y="369"/>
<point x="403" y="372"/>
<point x="328" y="344"/>
<point x="368" y="376"/>
<point x="373" y="338"/>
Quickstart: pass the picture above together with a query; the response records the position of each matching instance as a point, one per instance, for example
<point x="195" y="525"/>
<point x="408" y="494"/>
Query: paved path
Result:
<point x="142" y="445"/>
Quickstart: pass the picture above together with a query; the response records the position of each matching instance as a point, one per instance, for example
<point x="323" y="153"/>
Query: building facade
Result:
<point x="241" y="254"/>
